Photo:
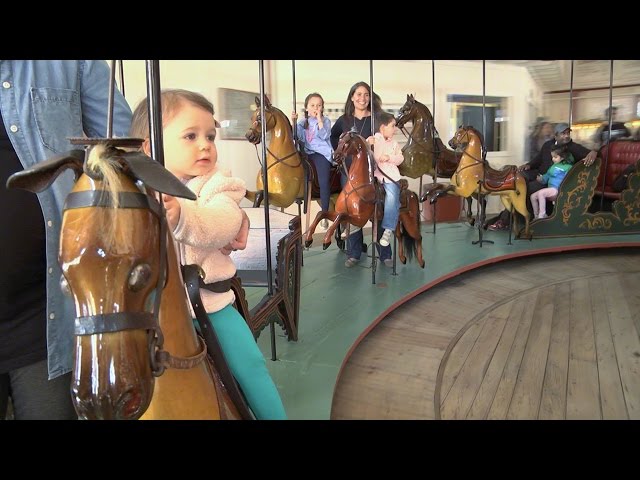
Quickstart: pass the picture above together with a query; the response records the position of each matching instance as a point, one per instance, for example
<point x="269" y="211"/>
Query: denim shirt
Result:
<point x="43" y="102"/>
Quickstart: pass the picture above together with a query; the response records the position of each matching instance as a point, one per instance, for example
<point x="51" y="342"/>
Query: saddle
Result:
<point x="499" y="180"/>
<point x="404" y="195"/>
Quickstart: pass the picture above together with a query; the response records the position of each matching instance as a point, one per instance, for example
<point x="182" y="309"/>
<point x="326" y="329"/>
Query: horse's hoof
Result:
<point x="403" y="260"/>
<point x="307" y="243"/>
<point x="325" y="245"/>
<point x="340" y="244"/>
<point x="422" y="264"/>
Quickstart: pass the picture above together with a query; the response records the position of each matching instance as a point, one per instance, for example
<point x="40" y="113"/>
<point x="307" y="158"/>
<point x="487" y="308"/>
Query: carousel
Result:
<point x="539" y="321"/>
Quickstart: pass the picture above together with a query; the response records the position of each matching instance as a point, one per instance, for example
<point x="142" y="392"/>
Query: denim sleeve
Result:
<point x="94" y="94"/>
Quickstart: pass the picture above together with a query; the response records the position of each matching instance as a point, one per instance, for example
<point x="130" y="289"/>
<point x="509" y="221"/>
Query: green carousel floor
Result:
<point x="339" y="305"/>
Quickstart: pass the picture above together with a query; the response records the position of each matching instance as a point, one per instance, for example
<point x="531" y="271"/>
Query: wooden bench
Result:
<point x="283" y="306"/>
<point x="621" y="154"/>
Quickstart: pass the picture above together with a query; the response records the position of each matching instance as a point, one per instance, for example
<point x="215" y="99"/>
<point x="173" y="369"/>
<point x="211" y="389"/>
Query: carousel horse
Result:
<point x="474" y="175"/>
<point x="421" y="153"/>
<point x="120" y="267"/>
<point x="357" y="201"/>
<point x="424" y="148"/>
<point x="285" y="169"/>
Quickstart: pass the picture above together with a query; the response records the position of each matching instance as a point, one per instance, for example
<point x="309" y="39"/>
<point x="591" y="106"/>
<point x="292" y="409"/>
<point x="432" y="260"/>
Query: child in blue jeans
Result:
<point x="388" y="156"/>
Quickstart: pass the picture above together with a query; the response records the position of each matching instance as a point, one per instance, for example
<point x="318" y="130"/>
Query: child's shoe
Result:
<point x="386" y="237"/>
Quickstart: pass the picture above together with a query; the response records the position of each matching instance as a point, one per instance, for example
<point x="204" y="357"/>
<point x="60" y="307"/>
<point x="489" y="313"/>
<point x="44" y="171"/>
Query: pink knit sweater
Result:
<point x="390" y="167"/>
<point x="208" y="224"/>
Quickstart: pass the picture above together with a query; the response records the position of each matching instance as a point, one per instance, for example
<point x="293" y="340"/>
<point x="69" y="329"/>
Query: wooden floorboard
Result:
<point x="549" y="337"/>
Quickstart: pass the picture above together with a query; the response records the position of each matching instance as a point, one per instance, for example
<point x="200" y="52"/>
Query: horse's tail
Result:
<point x="410" y="243"/>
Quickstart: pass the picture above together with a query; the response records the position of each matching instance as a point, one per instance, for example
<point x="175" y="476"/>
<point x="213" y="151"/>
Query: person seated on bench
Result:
<point x="541" y="163"/>
<point x="562" y="162"/>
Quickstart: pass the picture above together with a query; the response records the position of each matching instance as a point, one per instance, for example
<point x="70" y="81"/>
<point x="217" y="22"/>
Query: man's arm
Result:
<point x="579" y="152"/>
<point x="94" y="95"/>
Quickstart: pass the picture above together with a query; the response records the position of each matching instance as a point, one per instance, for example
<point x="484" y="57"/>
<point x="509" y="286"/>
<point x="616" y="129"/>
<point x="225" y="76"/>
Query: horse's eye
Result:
<point x="139" y="277"/>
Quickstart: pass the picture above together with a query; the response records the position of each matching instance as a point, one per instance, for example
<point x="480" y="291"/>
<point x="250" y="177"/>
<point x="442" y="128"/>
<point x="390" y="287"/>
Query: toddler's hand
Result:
<point x="371" y="140"/>
<point x="172" y="206"/>
<point x="240" y="242"/>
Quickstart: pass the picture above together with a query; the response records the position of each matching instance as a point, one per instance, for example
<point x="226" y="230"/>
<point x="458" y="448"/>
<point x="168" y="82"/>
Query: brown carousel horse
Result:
<point x="474" y="175"/>
<point x="120" y="267"/>
<point x="424" y="148"/>
<point x="285" y="169"/>
<point x="357" y="200"/>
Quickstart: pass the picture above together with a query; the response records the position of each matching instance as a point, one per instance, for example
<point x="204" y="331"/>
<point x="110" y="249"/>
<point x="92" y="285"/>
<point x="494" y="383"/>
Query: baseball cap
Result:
<point x="561" y="127"/>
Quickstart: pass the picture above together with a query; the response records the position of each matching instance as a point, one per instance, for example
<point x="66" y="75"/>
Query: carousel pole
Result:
<point x="606" y="157"/>
<point x="267" y="224"/>
<point x="374" y="221"/>
<point x="121" y="75"/>
<point x="295" y="143"/>
<point x="481" y="207"/>
<point x="433" y="138"/>
<point x="112" y="86"/>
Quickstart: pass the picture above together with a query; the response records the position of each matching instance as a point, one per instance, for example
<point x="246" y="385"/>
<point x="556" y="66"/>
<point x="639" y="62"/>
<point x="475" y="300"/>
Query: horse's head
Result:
<point x="113" y="259"/>
<point x="254" y="134"/>
<point x="413" y="110"/>
<point x="348" y="144"/>
<point x="460" y="138"/>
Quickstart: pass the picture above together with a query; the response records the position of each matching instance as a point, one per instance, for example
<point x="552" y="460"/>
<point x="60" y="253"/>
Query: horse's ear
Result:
<point x="258" y="102"/>
<point x="40" y="176"/>
<point x="154" y="175"/>
<point x="267" y="102"/>
<point x="410" y="97"/>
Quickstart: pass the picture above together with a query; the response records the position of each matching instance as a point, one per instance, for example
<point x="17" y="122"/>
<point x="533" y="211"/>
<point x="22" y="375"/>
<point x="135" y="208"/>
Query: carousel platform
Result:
<point x="340" y="305"/>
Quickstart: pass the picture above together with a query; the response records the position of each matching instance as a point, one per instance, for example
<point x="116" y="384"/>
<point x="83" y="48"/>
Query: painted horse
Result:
<point x="474" y="175"/>
<point x="285" y="167"/>
<point x="424" y="148"/>
<point x="137" y="354"/>
<point x="357" y="201"/>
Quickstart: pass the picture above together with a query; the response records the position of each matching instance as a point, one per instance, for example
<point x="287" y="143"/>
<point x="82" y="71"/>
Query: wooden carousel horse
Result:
<point x="285" y="164"/>
<point x="424" y="149"/>
<point x="474" y="175"/>
<point x="357" y="200"/>
<point x="120" y="267"/>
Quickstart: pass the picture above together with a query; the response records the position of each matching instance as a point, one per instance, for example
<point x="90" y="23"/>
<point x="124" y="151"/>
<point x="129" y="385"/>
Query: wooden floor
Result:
<point x="549" y="337"/>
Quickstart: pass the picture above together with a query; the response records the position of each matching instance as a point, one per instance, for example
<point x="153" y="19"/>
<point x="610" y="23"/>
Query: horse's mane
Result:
<point x="115" y="234"/>
<point x="422" y="106"/>
<point x="483" y="150"/>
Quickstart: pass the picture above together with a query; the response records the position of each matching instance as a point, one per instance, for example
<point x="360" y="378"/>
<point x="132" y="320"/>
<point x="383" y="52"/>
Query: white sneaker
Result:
<point x="542" y="215"/>
<point x="386" y="237"/>
<point x="352" y="229"/>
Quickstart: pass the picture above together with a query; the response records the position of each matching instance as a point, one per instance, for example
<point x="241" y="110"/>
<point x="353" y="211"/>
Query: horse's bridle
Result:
<point x="346" y="172"/>
<point x="428" y="127"/>
<point x="113" y="322"/>
<point x="278" y="160"/>
<point x="464" y="146"/>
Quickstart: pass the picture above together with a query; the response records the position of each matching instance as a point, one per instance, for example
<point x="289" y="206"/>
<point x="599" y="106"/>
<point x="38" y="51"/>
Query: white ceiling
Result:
<point x="554" y="75"/>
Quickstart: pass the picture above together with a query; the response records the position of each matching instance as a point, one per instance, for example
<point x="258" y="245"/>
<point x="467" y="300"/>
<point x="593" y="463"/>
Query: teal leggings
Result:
<point x="247" y="364"/>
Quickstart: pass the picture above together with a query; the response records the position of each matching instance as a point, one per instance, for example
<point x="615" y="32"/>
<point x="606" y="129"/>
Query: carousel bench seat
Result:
<point x="251" y="263"/>
<point x="282" y="304"/>
<point x="622" y="154"/>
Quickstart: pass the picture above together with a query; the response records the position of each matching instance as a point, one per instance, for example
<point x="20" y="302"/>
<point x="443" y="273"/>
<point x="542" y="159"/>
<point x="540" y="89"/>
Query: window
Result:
<point x="467" y="110"/>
